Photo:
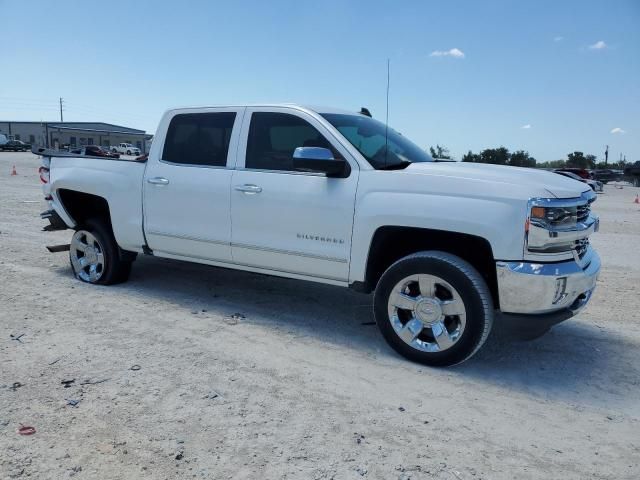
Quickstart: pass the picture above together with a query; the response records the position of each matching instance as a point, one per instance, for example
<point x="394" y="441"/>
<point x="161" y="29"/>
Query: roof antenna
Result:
<point x="386" y="122"/>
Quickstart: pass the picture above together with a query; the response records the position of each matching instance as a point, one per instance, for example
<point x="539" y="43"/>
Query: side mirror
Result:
<point x="318" y="159"/>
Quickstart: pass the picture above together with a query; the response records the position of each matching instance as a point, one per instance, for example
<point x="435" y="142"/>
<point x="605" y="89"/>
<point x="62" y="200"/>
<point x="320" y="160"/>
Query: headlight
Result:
<point x="559" y="225"/>
<point x="554" y="216"/>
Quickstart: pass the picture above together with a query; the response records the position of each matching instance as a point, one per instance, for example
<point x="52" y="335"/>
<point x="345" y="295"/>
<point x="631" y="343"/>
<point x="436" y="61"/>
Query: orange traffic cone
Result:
<point x="13" y="172"/>
<point x="637" y="200"/>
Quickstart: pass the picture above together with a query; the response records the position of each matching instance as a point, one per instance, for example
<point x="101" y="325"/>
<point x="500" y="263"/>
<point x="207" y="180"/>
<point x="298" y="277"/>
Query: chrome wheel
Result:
<point x="427" y="313"/>
<point x="87" y="256"/>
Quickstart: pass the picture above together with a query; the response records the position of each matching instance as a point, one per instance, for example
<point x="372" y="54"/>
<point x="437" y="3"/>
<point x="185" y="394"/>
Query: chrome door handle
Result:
<point x="248" y="188"/>
<point x="158" y="181"/>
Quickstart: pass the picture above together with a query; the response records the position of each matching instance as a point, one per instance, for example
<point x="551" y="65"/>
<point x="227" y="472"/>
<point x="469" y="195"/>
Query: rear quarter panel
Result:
<point x="118" y="182"/>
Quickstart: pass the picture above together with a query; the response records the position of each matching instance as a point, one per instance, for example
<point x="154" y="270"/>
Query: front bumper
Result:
<point x="544" y="288"/>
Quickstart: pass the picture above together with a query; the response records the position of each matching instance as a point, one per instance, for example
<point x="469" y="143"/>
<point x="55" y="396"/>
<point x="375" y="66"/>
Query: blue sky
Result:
<point x="499" y="66"/>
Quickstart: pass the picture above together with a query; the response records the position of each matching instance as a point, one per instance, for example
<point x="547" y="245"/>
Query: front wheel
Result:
<point x="95" y="256"/>
<point x="434" y="308"/>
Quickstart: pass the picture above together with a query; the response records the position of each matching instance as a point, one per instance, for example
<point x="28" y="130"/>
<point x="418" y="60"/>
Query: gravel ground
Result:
<point x="248" y="376"/>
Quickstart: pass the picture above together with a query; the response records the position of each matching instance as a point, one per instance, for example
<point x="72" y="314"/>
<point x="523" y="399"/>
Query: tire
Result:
<point x="113" y="150"/>
<point x="95" y="241"/>
<point x="128" y="152"/>
<point x="445" y="311"/>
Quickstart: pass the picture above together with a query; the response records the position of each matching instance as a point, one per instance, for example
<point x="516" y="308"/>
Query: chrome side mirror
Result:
<point x="319" y="160"/>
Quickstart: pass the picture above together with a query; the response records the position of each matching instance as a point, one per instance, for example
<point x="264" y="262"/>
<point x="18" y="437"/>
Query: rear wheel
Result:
<point x="433" y="308"/>
<point x="95" y="256"/>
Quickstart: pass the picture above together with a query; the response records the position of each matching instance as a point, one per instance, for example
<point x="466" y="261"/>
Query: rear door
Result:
<point x="187" y="183"/>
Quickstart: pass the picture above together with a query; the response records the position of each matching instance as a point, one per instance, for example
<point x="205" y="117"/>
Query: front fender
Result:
<point x="499" y="221"/>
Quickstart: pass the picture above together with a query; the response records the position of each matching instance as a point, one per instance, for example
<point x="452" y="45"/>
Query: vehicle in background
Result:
<point x="125" y="149"/>
<point x="604" y="175"/>
<point x="595" y="185"/>
<point x="632" y="173"/>
<point x="3" y="139"/>
<point x="96" y="151"/>
<point x="15" y="146"/>
<point x="581" y="172"/>
<point x="339" y="198"/>
<point x="93" y="151"/>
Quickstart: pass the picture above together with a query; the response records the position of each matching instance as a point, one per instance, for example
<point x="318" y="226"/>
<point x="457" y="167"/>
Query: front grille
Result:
<point x="583" y="212"/>
<point x="581" y="247"/>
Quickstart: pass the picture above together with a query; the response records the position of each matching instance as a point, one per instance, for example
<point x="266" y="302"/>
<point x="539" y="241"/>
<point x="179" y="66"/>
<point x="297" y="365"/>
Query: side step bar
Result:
<point x="59" y="248"/>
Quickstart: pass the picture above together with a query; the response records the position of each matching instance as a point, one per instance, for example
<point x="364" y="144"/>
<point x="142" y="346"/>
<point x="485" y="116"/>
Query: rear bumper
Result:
<point x="547" y="288"/>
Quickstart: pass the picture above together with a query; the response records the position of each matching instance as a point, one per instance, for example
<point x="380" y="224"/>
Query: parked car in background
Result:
<point x="337" y="197"/>
<point x="15" y="146"/>
<point x="3" y="139"/>
<point x="595" y="185"/>
<point x="96" y="151"/>
<point x="126" y="148"/>
<point x="93" y="151"/>
<point x="604" y="175"/>
<point x="581" y="172"/>
<point x="632" y="173"/>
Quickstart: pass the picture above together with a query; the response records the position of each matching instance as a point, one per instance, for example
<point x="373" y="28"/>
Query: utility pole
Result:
<point x="606" y="156"/>
<point x="61" y="119"/>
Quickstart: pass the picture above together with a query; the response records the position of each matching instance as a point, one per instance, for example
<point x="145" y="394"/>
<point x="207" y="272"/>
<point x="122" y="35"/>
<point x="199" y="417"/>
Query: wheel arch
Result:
<point x="82" y="206"/>
<point x="391" y="243"/>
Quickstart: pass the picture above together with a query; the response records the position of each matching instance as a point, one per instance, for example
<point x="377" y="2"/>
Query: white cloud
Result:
<point x="454" y="52"/>
<point x="558" y="38"/>
<point x="599" y="45"/>
<point x="526" y="127"/>
<point x="617" y="130"/>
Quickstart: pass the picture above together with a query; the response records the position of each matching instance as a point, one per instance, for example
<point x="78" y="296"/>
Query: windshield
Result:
<point x="369" y="137"/>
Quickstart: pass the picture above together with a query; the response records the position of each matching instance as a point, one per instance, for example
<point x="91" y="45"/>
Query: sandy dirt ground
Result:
<point x="248" y="376"/>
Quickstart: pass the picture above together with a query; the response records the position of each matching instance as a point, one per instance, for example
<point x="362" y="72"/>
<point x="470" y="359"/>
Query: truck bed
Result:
<point x="118" y="181"/>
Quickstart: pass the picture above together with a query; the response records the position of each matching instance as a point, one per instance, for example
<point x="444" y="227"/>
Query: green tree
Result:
<point x="521" y="158"/>
<point x="579" y="160"/>
<point x="552" y="164"/>
<point x="471" y="157"/>
<point x="440" y="152"/>
<point x="496" y="156"/>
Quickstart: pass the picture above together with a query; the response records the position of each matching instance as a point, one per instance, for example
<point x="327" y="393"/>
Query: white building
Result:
<point x="75" y="134"/>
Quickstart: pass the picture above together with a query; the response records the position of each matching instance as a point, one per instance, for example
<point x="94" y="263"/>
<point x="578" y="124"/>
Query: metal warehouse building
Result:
<point x="75" y="134"/>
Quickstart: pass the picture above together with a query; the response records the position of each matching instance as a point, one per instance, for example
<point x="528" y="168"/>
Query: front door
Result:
<point x="284" y="220"/>
<point x="186" y="189"/>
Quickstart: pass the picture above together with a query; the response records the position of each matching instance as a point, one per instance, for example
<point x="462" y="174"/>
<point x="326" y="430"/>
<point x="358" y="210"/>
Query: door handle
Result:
<point x="248" y="188"/>
<point x="158" y="181"/>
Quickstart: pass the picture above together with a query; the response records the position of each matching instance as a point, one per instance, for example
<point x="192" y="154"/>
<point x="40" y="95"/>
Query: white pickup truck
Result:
<point x="125" y="149"/>
<point x="333" y="196"/>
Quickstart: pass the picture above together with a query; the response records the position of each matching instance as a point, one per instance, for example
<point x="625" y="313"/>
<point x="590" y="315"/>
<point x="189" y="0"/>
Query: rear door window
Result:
<point x="199" y="139"/>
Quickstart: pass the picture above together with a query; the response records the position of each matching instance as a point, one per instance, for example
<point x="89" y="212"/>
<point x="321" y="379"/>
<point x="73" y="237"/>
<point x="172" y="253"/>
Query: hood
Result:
<point x="525" y="178"/>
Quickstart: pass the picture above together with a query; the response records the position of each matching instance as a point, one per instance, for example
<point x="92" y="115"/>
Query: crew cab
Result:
<point x="336" y="197"/>
<point x="125" y="149"/>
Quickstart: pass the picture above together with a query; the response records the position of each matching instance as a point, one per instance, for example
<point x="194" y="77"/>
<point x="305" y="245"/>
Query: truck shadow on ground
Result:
<point x="577" y="361"/>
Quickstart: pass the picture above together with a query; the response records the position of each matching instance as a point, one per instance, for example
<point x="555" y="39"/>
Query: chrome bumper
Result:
<point x="539" y="288"/>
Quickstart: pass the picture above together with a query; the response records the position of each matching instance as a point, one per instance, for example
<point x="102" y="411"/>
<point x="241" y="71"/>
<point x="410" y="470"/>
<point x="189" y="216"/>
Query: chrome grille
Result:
<point x="583" y="211"/>
<point x="581" y="247"/>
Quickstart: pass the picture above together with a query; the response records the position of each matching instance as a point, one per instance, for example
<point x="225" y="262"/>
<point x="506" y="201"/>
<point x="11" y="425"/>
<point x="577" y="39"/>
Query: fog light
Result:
<point x="561" y="287"/>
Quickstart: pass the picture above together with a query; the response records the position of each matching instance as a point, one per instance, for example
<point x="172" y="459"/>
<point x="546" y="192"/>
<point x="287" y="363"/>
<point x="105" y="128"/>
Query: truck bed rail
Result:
<point x="50" y="152"/>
